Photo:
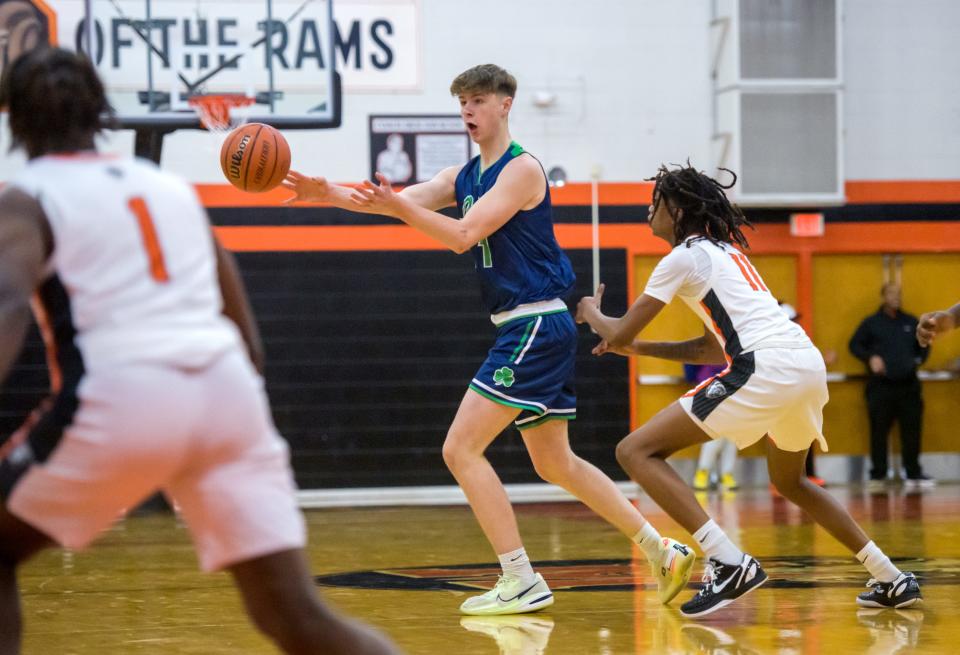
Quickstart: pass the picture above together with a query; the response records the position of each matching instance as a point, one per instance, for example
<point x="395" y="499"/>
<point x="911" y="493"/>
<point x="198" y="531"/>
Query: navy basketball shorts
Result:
<point x="531" y="367"/>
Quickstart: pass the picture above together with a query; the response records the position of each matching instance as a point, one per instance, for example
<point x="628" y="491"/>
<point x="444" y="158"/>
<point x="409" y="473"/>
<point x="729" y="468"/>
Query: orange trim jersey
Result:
<point x="722" y="287"/>
<point x="775" y="381"/>
<point x="133" y="252"/>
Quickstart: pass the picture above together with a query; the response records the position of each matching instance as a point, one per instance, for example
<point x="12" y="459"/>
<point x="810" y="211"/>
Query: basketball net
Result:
<point x="214" y="109"/>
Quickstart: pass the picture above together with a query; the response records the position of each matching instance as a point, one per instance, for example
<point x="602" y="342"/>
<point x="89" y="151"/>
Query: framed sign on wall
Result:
<point x="409" y="149"/>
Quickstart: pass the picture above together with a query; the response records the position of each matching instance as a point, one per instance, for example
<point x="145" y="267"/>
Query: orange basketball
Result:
<point x="255" y="157"/>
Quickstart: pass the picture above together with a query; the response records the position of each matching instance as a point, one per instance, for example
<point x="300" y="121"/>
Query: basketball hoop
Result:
<point x="214" y="108"/>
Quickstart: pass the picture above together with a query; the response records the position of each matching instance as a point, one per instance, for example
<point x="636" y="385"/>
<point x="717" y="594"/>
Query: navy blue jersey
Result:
<point x="521" y="262"/>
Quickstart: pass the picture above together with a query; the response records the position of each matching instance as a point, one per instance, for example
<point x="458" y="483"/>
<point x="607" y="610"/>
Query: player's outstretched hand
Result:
<point x="601" y="348"/>
<point x="307" y="189"/>
<point x="588" y="303"/>
<point x="932" y="324"/>
<point x="604" y="347"/>
<point x="376" y="198"/>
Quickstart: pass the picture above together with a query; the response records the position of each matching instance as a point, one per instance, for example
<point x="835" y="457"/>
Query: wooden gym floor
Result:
<point x="407" y="569"/>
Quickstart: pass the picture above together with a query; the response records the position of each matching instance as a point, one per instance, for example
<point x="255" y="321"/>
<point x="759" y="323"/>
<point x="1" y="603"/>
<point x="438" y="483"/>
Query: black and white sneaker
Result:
<point x="902" y="592"/>
<point x="921" y="481"/>
<point x="724" y="583"/>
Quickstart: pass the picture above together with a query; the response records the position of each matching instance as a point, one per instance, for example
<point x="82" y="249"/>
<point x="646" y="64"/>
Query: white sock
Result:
<point x="877" y="563"/>
<point x="649" y="541"/>
<point x="517" y="564"/>
<point x="716" y="544"/>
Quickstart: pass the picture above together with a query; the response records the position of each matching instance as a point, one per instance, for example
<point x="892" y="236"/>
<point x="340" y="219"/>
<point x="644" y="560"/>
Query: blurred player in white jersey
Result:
<point x="146" y="319"/>
<point x="774" y="386"/>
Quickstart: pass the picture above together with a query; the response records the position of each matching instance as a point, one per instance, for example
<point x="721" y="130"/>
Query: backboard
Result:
<point x="154" y="55"/>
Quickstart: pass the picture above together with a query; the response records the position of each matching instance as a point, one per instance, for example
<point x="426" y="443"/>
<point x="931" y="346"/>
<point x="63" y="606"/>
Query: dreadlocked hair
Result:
<point x="706" y="211"/>
<point x="54" y="99"/>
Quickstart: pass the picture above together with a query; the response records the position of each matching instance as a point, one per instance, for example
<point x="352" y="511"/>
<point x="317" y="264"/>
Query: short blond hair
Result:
<point x="485" y="78"/>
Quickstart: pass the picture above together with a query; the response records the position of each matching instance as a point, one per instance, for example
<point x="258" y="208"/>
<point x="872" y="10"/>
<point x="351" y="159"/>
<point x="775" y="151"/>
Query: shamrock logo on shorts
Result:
<point x="503" y="376"/>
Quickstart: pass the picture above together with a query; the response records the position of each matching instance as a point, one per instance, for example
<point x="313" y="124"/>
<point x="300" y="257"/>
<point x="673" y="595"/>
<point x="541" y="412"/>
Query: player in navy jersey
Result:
<point x="527" y="378"/>
<point x="774" y="388"/>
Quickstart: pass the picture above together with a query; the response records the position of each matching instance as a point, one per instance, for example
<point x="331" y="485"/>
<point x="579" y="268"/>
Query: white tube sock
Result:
<point x="517" y="564"/>
<point x="877" y="563"/>
<point x="649" y="541"/>
<point x="716" y="544"/>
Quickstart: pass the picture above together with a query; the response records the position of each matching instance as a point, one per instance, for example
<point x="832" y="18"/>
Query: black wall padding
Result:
<point x="368" y="356"/>
<point x="26" y="385"/>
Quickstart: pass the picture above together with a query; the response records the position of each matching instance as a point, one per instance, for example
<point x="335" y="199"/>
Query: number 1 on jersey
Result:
<point x="487" y="255"/>
<point x="158" y="269"/>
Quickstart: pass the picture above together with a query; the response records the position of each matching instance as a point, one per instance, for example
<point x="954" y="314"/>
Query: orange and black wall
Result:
<point x="373" y="331"/>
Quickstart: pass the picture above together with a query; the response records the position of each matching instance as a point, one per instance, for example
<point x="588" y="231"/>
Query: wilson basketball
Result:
<point x="255" y="157"/>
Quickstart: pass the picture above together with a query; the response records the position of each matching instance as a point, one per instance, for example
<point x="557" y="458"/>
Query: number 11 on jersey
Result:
<point x="749" y="272"/>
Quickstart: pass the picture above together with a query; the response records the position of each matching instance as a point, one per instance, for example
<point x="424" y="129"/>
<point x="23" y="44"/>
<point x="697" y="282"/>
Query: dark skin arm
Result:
<point x="702" y="350"/>
<point x="618" y="334"/>
<point x="236" y="305"/>
<point x="25" y="244"/>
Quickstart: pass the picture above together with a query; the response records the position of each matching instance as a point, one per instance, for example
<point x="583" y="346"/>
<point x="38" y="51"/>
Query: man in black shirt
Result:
<point x="887" y="344"/>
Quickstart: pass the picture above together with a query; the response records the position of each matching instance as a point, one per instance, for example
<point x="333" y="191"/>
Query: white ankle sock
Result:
<point x="649" y="541"/>
<point x="517" y="564"/>
<point x="877" y="563"/>
<point x="716" y="544"/>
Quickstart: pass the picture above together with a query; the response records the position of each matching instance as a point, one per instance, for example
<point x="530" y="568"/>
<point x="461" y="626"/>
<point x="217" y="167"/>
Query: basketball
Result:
<point x="255" y="157"/>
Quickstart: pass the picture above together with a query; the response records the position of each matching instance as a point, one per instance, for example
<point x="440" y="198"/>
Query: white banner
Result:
<point x="376" y="43"/>
<point x="392" y="44"/>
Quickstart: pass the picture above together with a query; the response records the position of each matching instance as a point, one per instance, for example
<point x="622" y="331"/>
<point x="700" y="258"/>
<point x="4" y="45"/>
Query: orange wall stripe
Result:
<point x="611" y="193"/>
<point x="866" y="237"/>
<point x="805" y="291"/>
<point x="225" y="195"/>
<point x="637" y="239"/>
<point x="630" y="193"/>
<point x="902" y="191"/>
<point x="636" y="193"/>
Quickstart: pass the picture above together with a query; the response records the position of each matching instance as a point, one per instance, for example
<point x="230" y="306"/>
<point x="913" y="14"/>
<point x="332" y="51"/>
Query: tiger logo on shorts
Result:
<point x="716" y="390"/>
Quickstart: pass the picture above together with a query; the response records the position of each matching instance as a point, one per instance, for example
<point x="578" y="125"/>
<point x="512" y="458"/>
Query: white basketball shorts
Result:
<point x="779" y="392"/>
<point x="204" y="437"/>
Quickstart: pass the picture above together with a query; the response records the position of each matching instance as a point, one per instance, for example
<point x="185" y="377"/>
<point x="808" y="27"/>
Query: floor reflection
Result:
<point x="406" y="570"/>
<point x="521" y="634"/>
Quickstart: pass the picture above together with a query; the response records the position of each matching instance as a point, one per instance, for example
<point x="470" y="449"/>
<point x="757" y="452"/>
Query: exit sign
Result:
<point x="806" y="225"/>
